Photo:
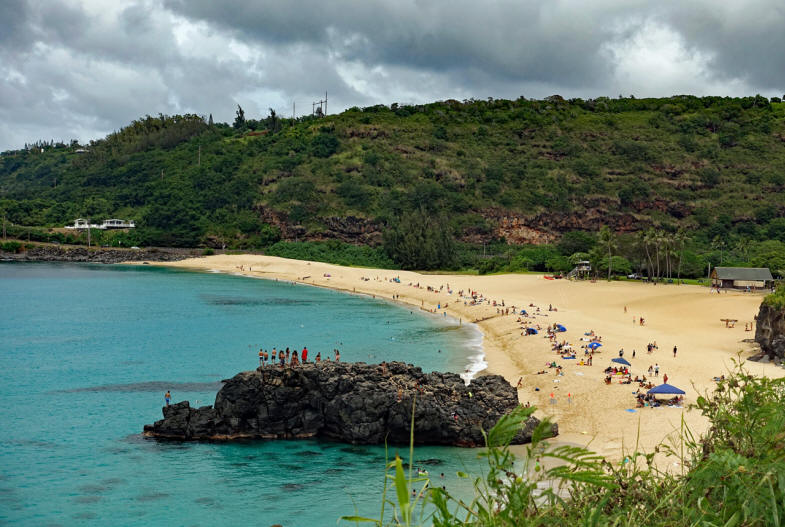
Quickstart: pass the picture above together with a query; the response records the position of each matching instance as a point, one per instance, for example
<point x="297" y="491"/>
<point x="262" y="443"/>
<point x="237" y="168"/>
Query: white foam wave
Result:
<point x="476" y="360"/>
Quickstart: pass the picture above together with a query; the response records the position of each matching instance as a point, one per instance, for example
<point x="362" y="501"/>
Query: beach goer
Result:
<point x="651" y="369"/>
<point x="569" y="398"/>
<point x="167" y="397"/>
<point x="553" y="398"/>
<point x="665" y="378"/>
<point x="520" y="382"/>
<point x="633" y="354"/>
<point x="282" y="358"/>
<point x="337" y="356"/>
<point x="674" y="352"/>
<point x="656" y="370"/>
<point x="319" y="357"/>
<point x="261" y="356"/>
<point x="304" y="354"/>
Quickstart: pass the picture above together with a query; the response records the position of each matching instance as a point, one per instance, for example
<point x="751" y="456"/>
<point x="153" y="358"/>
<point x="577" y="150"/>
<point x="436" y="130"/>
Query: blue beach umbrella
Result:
<point x="666" y="389"/>
<point x="621" y="361"/>
<point x="595" y="345"/>
<point x="560" y="327"/>
<point x="531" y="331"/>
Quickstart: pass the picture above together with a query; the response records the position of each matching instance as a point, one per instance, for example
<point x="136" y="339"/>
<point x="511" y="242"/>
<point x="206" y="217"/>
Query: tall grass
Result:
<point x="733" y="475"/>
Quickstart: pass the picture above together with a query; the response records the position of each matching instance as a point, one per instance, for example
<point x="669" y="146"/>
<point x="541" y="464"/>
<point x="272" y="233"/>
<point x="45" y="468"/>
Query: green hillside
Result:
<point x="497" y="172"/>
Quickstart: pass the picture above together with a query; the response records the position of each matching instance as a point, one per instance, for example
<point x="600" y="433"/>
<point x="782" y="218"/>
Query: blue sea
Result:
<point x="87" y="352"/>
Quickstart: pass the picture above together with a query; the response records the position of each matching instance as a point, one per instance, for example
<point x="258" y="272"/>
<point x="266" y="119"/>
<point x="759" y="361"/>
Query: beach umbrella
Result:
<point x="621" y="361"/>
<point x="560" y="327"/>
<point x="594" y="345"/>
<point x="531" y="331"/>
<point x="666" y="389"/>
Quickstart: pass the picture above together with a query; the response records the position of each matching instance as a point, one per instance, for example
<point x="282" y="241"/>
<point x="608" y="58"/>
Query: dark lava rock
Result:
<point x="770" y="331"/>
<point x="56" y="253"/>
<point x="349" y="402"/>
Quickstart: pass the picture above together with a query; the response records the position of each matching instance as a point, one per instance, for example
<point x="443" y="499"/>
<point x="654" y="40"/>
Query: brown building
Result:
<point x="741" y="277"/>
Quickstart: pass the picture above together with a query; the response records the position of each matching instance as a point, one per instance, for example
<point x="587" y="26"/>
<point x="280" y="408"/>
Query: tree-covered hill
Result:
<point x="524" y="171"/>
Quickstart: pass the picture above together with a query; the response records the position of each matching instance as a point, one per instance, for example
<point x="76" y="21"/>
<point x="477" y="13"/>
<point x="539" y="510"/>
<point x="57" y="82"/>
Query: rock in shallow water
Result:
<point x="350" y="402"/>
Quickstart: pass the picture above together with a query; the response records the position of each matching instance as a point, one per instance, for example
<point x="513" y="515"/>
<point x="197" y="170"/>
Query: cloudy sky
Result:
<point x="82" y="68"/>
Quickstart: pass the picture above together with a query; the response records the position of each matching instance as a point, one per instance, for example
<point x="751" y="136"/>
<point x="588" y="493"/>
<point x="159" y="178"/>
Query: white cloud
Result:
<point x="82" y="68"/>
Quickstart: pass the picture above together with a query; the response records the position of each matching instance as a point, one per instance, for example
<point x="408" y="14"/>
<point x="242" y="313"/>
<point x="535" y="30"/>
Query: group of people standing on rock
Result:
<point x="290" y="357"/>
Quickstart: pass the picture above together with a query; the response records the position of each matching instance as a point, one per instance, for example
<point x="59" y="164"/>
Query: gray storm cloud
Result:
<point x="80" y="69"/>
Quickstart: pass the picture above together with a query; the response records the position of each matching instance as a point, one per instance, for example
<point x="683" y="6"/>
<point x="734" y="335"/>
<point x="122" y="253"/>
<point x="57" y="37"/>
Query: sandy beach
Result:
<point x="594" y="413"/>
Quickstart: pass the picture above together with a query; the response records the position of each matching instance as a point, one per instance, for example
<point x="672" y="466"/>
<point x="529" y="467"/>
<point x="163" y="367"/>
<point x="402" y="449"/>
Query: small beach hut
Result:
<point x="741" y="277"/>
<point x="665" y="389"/>
<point x="621" y="360"/>
<point x="559" y="327"/>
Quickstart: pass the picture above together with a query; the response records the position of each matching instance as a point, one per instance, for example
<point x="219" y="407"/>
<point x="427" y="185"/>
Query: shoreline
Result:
<point x="604" y="416"/>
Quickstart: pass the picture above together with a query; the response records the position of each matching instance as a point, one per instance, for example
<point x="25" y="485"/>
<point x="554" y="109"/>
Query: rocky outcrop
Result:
<point x="356" y="403"/>
<point x="770" y="331"/>
<point x="56" y="253"/>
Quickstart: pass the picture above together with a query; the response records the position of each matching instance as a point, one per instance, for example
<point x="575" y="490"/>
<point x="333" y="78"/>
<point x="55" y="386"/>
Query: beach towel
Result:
<point x="631" y="410"/>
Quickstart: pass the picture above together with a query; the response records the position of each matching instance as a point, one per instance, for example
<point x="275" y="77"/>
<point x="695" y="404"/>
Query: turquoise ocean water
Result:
<point x="87" y="352"/>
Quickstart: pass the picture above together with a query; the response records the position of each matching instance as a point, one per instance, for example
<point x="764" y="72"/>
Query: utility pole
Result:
<point x="325" y="102"/>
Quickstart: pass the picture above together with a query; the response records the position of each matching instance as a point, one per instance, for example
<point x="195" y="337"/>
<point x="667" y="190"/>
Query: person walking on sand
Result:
<point x="553" y="398"/>
<point x="167" y="397"/>
<point x="674" y="352"/>
<point x="665" y="378"/>
<point x="656" y="370"/>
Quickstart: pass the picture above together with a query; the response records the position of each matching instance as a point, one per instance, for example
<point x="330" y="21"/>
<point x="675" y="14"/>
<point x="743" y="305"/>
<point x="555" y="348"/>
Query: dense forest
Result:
<point x="494" y="185"/>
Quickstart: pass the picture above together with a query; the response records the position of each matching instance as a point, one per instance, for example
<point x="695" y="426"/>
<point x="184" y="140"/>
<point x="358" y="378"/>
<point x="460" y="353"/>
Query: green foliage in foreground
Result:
<point x="776" y="299"/>
<point x="732" y="476"/>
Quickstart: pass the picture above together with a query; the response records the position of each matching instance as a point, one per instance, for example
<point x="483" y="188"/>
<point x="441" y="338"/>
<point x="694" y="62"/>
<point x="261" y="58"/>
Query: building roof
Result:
<point x="742" y="273"/>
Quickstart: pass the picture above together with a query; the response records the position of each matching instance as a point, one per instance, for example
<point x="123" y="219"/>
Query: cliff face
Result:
<point x="354" y="403"/>
<point x="770" y="331"/>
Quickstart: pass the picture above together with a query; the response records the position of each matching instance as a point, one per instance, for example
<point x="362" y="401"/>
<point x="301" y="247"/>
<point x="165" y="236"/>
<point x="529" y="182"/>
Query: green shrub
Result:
<point x="11" y="247"/>
<point x="776" y="299"/>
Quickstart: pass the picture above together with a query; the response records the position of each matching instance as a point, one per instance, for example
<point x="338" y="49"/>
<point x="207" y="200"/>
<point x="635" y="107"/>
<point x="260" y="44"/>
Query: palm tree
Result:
<point x="680" y="238"/>
<point x="647" y="238"/>
<point x="718" y="243"/>
<point x="607" y="239"/>
<point x="743" y="248"/>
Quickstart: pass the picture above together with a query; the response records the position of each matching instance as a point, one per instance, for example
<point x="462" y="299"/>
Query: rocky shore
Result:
<point x="56" y="253"/>
<point x="349" y="402"/>
<point x="770" y="332"/>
